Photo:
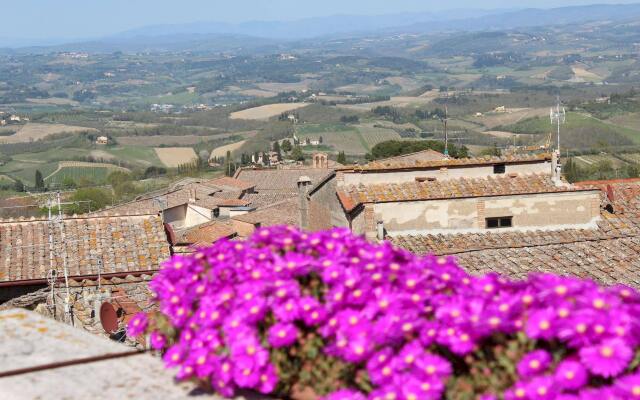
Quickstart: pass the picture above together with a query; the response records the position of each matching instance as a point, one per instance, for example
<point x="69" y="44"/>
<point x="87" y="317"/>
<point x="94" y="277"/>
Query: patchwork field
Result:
<point x="222" y="150"/>
<point x="353" y="140"/>
<point x="595" y="159"/>
<point x="512" y="116"/>
<point x="35" y="131"/>
<point x="94" y="172"/>
<point x="398" y="101"/>
<point x="168" y="140"/>
<point x="266" y="112"/>
<point x="173" y="157"/>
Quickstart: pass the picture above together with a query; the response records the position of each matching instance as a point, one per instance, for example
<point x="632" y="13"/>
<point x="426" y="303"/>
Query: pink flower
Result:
<point x="534" y="363"/>
<point x="137" y="325"/>
<point x="570" y="375"/>
<point x="607" y="359"/>
<point x="283" y="335"/>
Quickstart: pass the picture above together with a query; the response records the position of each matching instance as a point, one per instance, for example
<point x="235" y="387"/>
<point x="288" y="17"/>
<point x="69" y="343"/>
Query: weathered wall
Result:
<point x="325" y="211"/>
<point x="538" y="211"/>
<point x="371" y="178"/>
<point x="196" y="215"/>
<point x="130" y="294"/>
<point x="175" y="216"/>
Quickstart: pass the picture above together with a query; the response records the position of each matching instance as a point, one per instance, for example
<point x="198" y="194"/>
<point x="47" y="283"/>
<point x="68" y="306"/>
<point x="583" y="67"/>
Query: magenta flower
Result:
<point x="158" y="340"/>
<point x="541" y="388"/>
<point x="346" y="394"/>
<point x="541" y="324"/>
<point x="629" y="386"/>
<point x="608" y="359"/>
<point x="534" y="363"/>
<point x="137" y="325"/>
<point x="283" y="335"/>
<point x="570" y="375"/>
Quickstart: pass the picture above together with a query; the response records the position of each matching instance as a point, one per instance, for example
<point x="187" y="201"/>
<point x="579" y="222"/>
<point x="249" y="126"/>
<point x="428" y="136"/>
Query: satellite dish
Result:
<point x="109" y="318"/>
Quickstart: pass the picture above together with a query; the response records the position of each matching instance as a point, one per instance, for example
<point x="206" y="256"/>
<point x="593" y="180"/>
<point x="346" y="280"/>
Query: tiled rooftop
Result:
<point x="266" y="198"/>
<point x="228" y="183"/>
<point x="122" y="243"/>
<point x="399" y="164"/>
<point x="352" y="196"/>
<point x="622" y="194"/>
<point x="279" y="179"/>
<point x="281" y="213"/>
<point x="206" y="233"/>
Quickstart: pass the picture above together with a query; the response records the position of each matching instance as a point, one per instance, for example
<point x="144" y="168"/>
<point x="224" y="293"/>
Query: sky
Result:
<point x="73" y="19"/>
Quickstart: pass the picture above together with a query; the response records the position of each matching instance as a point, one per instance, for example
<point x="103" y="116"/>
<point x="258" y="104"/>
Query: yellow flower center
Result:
<point x="251" y="350"/>
<point x="598" y="303"/>
<point x="494" y="321"/>
<point x="445" y="276"/>
<point x="544" y="325"/>
<point x="636" y="390"/>
<point x="430" y="369"/>
<point x="542" y="390"/>
<point x="527" y="299"/>
<point x="255" y="309"/>
<point x="353" y="320"/>
<point x="599" y="329"/>
<point x="504" y="307"/>
<point x="409" y="359"/>
<point x="175" y="357"/>
<point x="534" y="364"/>
<point x="563" y="313"/>
<point x="425" y="386"/>
<point x="455" y="313"/>
<point x="282" y="333"/>
<point x="407" y="327"/>
<point x="581" y="328"/>
<point x="520" y="393"/>
<point x="386" y="371"/>
<point x="606" y="351"/>
<point x="246" y="371"/>
<point x="561" y="290"/>
<point x="201" y="360"/>
<point x="569" y="375"/>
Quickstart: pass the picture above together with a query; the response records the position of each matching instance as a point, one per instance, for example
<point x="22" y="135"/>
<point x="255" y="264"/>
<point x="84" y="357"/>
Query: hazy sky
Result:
<point x="43" y="19"/>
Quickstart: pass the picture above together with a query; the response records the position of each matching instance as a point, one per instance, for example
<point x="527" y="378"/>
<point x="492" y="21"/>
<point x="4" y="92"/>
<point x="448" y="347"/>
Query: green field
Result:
<point x="595" y="159"/>
<point x="95" y="174"/>
<point x="580" y="131"/>
<point x="136" y="155"/>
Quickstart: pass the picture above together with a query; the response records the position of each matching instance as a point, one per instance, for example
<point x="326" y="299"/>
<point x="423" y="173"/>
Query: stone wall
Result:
<point x="325" y="210"/>
<point x="536" y="211"/>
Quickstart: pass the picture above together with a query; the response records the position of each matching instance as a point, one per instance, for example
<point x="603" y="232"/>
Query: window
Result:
<point x="499" y="222"/>
<point x="499" y="168"/>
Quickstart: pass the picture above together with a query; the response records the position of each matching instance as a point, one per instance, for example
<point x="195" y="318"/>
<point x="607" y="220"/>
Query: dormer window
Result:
<point x="499" y="168"/>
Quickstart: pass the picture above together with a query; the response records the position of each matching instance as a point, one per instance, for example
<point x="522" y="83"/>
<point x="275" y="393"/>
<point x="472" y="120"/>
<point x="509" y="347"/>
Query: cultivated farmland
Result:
<point x="35" y="131"/>
<point x="173" y="157"/>
<point x="266" y="112"/>
<point x="76" y="170"/>
<point x="222" y="150"/>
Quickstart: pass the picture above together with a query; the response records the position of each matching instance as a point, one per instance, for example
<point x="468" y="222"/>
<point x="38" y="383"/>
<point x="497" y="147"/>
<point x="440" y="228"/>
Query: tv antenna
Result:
<point x="558" y="116"/>
<point x="445" y="120"/>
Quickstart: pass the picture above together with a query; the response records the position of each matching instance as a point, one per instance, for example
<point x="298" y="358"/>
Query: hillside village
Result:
<point x="510" y="214"/>
<point x="439" y="231"/>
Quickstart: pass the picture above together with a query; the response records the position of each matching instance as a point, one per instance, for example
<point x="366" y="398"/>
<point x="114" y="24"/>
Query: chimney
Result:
<point x="380" y="230"/>
<point x="304" y="183"/>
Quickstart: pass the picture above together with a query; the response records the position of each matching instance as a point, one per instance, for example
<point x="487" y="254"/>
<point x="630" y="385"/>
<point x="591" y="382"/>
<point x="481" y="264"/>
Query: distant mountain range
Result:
<point x="250" y="36"/>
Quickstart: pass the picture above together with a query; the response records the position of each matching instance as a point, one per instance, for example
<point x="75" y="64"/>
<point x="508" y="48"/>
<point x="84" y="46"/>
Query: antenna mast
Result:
<point x="446" y="132"/>
<point x="558" y="116"/>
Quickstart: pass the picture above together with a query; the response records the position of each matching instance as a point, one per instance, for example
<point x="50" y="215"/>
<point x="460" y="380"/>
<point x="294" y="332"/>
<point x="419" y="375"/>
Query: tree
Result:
<point x="286" y="146"/>
<point x="118" y="177"/>
<point x="89" y="199"/>
<point x="229" y="165"/>
<point x="18" y="186"/>
<point x="297" y="154"/>
<point x="39" y="181"/>
<point x="68" y="183"/>
<point x="276" y="149"/>
<point x="342" y="158"/>
<point x="320" y="140"/>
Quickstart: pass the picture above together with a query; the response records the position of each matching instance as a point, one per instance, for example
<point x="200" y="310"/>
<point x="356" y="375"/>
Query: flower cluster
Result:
<point x="404" y="323"/>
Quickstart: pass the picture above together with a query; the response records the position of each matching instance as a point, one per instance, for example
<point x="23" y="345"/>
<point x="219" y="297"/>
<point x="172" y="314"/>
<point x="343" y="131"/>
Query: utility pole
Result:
<point x="446" y="132"/>
<point x="558" y="116"/>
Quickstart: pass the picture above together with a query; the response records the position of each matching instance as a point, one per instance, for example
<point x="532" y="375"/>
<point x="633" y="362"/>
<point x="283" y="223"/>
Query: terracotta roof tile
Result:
<point x="282" y="213"/>
<point x="279" y="179"/>
<point x="352" y="196"/>
<point x="207" y="233"/>
<point x="231" y="183"/>
<point x="393" y="164"/>
<point x="122" y="243"/>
